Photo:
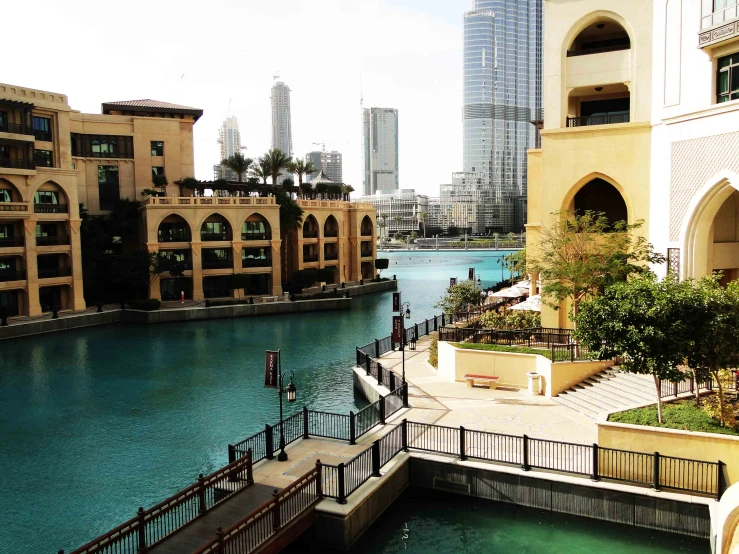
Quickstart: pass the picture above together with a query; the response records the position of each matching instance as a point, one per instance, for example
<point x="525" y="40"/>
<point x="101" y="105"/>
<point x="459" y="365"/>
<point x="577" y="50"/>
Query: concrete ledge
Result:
<point x="367" y="385"/>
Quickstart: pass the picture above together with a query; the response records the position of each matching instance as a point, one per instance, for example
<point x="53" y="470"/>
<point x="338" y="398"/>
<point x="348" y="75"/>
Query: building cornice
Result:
<point x="716" y="109"/>
<point x="598" y="128"/>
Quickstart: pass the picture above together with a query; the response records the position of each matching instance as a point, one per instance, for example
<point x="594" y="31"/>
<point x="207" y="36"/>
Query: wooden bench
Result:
<point x="492" y="382"/>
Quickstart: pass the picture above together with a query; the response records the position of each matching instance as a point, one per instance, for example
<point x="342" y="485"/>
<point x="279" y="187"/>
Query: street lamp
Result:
<point x="407" y="306"/>
<point x="479" y="281"/>
<point x="291" y="391"/>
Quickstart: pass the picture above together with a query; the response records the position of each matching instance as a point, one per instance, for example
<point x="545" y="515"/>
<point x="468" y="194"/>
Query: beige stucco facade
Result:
<point x="597" y="131"/>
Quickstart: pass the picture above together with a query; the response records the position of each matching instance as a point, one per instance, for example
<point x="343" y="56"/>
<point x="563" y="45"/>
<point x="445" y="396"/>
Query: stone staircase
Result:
<point x="609" y="390"/>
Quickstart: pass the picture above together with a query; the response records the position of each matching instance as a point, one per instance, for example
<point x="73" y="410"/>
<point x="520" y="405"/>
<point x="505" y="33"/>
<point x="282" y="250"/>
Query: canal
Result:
<point x="97" y="422"/>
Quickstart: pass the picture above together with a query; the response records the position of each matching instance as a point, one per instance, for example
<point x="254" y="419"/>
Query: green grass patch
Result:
<point x="683" y="415"/>
<point x="501" y="348"/>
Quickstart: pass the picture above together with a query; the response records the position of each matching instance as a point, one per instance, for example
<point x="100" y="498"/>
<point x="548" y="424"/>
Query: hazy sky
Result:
<point x="205" y="53"/>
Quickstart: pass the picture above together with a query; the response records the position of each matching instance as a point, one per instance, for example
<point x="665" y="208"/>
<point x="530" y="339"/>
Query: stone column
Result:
<point x="534" y="286"/>
<point x="276" y="268"/>
<point x="33" y="305"/>
<point x="236" y="255"/>
<point x="155" y="289"/>
<point x="77" y="299"/>
<point x="197" y="272"/>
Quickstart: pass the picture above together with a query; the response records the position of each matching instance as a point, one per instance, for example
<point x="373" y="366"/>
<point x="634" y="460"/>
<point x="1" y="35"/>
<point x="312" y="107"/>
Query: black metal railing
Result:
<point x="217" y="264"/>
<point x="570" y="353"/>
<point x="602" y="49"/>
<point x="5" y="275"/>
<point x="605" y="119"/>
<point x="366" y="253"/>
<point x="330" y="257"/>
<point x="11" y="242"/>
<point x="366" y="232"/>
<point x="331" y="234"/>
<point x="310" y="234"/>
<point x="311" y="258"/>
<point x="17" y="163"/>
<point x="213" y="237"/>
<point x="54" y="272"/>
<point x="255" y="236"/>
<point x="42" y="135"/>
<point x="52" y="241"/>
<point x="175" y="237"/>
<point x="256" y="262"/>
<point x="16" y="128"/>
<point x="51" y="208"/>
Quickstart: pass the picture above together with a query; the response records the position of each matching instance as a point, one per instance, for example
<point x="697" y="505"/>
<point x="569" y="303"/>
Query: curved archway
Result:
<point x="602" y="34"/>
<point x="256" y="227"/>
<point x="50" y="197"/>
<point x="615" y="203"/>
<point x="9" y="192"/>
<point x="331" y="227"/>
<point x="366" y="227"/>
<point x="215" y="227"/>
<point x="611" y="21"/>
<point x="710" y="230"/>
<point x="310" y="227"/>
<point x="174" y="228"/>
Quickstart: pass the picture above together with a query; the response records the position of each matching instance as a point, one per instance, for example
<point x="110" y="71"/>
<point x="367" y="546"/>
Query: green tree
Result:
<point x="644" y="322"/>
<point x="261" y="170"/>
<point x="384" y="217"/>
<point x="422" y="218"/>
<point x="413" y="237"/>
<point x="239" y="164"/>
<point x="516" y="263"/>
<point x="580" y="254"/>
<point x="160" y="181"/>
<point x="398" y="236"/>
<point x="301" y="168"/>
<point x="460" y="297"/>
<point x="277" y="161"/>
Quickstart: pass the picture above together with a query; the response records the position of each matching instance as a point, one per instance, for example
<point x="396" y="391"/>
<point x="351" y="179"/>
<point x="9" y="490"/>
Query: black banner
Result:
<point x="472" y="274"/>
<point x="271" y="367"/>
<point x="397" y="334"/>
<point x="452" y="281"/>
<point x="396" y="301"/>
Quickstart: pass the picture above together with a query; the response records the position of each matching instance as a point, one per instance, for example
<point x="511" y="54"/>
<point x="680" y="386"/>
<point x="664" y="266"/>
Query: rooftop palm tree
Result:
<point x="278" y="161"/>
<point x="300" y="168"/>
<point x="239" y="164"/>
<point x="261" y="170"/>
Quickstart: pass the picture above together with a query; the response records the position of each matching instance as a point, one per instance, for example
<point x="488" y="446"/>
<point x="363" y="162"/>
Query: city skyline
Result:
<point x="416" y="69"/>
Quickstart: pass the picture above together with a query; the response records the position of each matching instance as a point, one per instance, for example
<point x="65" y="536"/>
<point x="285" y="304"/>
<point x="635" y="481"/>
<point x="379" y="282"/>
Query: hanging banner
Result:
<point x="396" y="301"/>
<point x="397" y="334"/>
<point x="452" y="281"/>
<point x="472" y="274"/>
<point x="271" y="367"/>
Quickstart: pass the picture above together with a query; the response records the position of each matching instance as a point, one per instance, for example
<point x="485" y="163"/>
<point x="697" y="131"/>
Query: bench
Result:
<point x="492" y="382"/>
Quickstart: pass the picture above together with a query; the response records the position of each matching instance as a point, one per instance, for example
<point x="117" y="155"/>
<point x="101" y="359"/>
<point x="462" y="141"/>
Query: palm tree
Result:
<point x="239" y="164"/>
<point x="398" y="220"/>
<point x="277" y="161"/>
<point x="384" y="222"/>
<point x="261" y="170"/>
<point x="422" y="216"/>
<point x="300" y="168"/>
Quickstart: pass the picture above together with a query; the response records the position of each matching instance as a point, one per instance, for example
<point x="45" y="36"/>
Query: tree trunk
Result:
<point x="721" y="399"/>
<point x="696" y="387"/>
<point x="659" y="398"/>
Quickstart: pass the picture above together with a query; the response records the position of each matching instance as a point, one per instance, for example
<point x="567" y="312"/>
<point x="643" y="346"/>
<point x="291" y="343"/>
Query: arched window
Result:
<point x="113" y="147"/>
<point x="601" y="196"/>
<point x="103" y="146"/>
<point x="95" y="146"/>
<point x="605" y="35"/>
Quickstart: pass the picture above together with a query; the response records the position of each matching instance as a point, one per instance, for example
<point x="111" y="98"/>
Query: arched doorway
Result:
<point x="331" y="227"/>
<point x="723" y="244"/>
<point x="599" y="195"/>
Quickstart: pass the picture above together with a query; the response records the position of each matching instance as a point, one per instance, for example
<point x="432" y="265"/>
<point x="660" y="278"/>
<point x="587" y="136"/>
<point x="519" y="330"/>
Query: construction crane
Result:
<point x="321" y="144"/>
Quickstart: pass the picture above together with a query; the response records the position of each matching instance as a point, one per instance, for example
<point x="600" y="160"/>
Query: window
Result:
<point x="96" y="147"/>
<point x="101" y="146"/>
<point x="42" y="128"/>
<point x="44" y="158"/>
<point x="156" y="170"/>
<point x="46" y="197"/>
<point x="108" y="190"/>
<point x="5" y="195"/>
<point x="3" y="120"/>
<point x="157" y="148"/>
<point x="727" y="86"/>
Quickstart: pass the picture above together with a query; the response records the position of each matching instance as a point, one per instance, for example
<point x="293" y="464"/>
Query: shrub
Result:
<point x="434" y="353"/>
<point x="146" y="305"/>
<point x="728" y="416"/>
<point x="513" y="319"/>
<point x="501" y="348"/>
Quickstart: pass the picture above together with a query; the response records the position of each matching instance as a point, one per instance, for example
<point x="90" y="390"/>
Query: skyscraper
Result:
<point x="502" y="99"/>
<point x="282" y="136"/>
<point x="381" y="151"/>
<point x="230" y="140"/>
<point x="330" y="162"/>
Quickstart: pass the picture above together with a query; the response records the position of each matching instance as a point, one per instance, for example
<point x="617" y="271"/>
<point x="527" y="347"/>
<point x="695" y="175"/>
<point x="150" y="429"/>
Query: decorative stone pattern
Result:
<point x="673" y="261"/>
<point x="693" y="163"/>
<point x="719" y="34"/>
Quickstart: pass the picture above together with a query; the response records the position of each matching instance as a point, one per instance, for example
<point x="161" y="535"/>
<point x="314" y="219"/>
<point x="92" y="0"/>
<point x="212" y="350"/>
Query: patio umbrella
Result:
<point x="510" y="292"/>
<point x="532" y="304"/>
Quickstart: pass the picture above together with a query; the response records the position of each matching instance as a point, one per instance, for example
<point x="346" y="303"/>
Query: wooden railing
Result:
<point x="266" y="521"/>
<point x="158" y="522"/>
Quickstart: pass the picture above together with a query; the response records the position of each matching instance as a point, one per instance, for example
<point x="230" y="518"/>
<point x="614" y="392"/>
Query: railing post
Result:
<point x="142" y="529"/>
<point x="231" y="454"/>
<point x="572" y="352"/>
<point x="276" y="523"/>
<point x="367" y="364"/>
<point x="219" y="540"/>
<point x="392" y="382"/>
<point x="416" y="336"/>
<point x="443" y="320"/>
<point x="436" y="324"/>
<point x="352" y="428"/>
<point x="376" y="459"/>
<point x="655" y="471"/>
<point x="382" y="410"/>
<point x="674" y="386"/>
<point x="379" y="373"/>
<point x="359" y="360"/>
<point x="305" y="422"/>
<point x="201" y="494"/>
<point x="525" y="454"/>
<point x="342" y="485"/>
<point x="553" y="360"/>
<point x="268" y="440"/>
<point x="404" y="435"/>
<point x="319" y="479"/>
<point x="249" y="468"/>
<point x="720" y="484"/>
<point x="405" y="394"/>
<point x="377" y="348"/>
<point x="462" y="445"/>
<point x="692" y="386"/>
<point x="595" y="476"/>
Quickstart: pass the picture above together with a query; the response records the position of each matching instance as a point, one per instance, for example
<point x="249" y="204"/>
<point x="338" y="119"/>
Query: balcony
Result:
<point x="183" y="236"/>
<point x="621" y="44"/>
<point x="14" y="209"/>
<point x="17" y="163"/>
<point x="718" y="26"/>
<point x="6" y="275"/>
<point x="331" y="234"/>
<point x="331" y="257"/>
<point x="213" y="237"/>
<point x="590" y="120"/>
<point x="256" y="262"/>
<point x="11" y="242"/>
<point x="310" y="258"/>
<point x="51" y="208"/>
<point x="310" y="234"/>
<point x="54" y="272"/>
<point x="255" y="236"/>
<point x="44" y="136"/>
<point x="15" y="128"/>
<point x="52" y="241"/>
<point x="217" y="264"/>
<point x="366" y="232"/>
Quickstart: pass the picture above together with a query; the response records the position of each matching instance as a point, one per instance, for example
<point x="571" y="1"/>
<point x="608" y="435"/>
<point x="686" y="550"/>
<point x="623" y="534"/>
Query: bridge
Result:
<point x="258" y="504"/>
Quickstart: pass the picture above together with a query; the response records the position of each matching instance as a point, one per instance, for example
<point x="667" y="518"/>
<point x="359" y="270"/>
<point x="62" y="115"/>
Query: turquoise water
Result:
<point x="422" y="522"/>
<point x="97" y="422"/>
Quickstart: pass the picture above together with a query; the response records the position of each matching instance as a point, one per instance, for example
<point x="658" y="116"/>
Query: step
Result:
<point x="624" y="390"/>
<point x="573" y="405"/>
<point x="598" y="395"/>
<point x="593" y="403"/>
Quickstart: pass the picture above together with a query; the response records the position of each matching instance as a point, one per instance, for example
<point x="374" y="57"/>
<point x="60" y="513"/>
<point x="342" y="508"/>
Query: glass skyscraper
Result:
<point x="502" y="100"/>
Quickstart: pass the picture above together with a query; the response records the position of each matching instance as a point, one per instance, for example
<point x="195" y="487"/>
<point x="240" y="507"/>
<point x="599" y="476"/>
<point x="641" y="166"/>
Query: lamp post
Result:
<point x="407" y="306"/>
<point x="291" y="397"/>
<point x="500" y="261"/>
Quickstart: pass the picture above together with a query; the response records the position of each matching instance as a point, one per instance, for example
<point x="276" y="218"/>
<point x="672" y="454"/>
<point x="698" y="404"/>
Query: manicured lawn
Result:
<point x="501" y="348"/>
<point x="683" y="414"/>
